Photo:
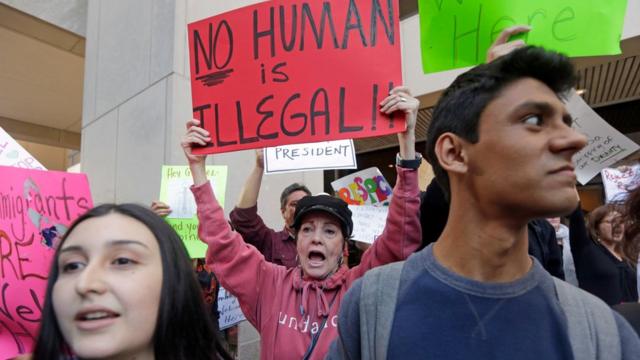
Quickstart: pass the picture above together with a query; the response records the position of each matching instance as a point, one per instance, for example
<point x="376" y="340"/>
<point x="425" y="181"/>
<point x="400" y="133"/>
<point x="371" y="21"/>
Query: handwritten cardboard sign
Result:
<point x="456" y="34"/>
<point x="36" y="209"/>
<point x="229" y="308"/>
<point x="368" y="222"/>
<point x="619" y="181"/>
<point x="365" y="187"/>
<point x="295" y="71"/>
<point x="175" y="192"/>
<point x="338" y="154"/>
<point x="605" y="145"/>
<point x="13" y="154"/>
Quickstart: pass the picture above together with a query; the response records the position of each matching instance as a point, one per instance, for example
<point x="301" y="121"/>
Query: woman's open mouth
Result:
<point x="95" y="320"/>
<point x="316" y="258"/>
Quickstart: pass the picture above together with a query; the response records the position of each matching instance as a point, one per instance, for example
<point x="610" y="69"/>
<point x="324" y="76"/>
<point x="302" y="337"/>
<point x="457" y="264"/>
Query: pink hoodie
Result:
<point x="286" y="309"/>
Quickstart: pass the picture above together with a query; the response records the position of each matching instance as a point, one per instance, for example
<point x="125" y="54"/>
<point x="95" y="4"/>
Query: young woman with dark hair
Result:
<point x="122" y="286"/>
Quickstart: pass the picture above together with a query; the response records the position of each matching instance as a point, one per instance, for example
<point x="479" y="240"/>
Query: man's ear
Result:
<point x="450" y="150"/>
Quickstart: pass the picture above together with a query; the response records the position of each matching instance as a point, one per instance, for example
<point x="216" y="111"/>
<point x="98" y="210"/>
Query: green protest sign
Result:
<point x="457" y="33"/>
<point x="174" y="190"/>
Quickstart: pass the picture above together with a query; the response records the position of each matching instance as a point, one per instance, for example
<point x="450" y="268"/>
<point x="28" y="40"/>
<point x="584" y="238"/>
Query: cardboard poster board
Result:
<point x="457" y="34"/>
<point x="36" y="209"/>
<point x="293" y="71"/>
<point x="13" y="154"/>
<point x="365" y="187"/>
<point x="174" y="191"/>
<point x="617" y="182"/>
<point x="338" y="154"/>
<point x="368" y="222"/>
<point x="229" y="308"/>
<point x="605" y="144"/>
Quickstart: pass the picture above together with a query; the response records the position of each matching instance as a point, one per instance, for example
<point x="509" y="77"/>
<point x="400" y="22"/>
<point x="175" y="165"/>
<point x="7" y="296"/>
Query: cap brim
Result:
<point x="317" y="208"/>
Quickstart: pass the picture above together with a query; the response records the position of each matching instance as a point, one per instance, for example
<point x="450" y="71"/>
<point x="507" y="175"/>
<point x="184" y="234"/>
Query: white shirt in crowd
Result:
<point x="567" y="259"/>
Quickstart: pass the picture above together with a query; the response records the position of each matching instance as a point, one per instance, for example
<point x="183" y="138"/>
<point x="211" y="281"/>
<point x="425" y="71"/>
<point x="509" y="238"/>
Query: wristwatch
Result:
<point x="409" y="164"/>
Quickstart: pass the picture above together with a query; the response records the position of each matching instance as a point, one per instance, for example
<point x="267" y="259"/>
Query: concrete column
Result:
<point x="136" y="101"/>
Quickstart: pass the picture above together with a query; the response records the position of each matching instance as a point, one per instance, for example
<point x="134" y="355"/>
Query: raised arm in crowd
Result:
<point x="295" y="309"/>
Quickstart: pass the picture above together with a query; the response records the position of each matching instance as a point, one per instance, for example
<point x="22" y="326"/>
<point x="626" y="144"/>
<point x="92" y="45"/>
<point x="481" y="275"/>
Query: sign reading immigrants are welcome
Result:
<point x="36" y="209"/>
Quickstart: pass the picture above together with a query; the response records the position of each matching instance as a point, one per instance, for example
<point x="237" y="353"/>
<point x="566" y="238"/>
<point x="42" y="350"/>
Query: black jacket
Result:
<point x="598" y="271"/>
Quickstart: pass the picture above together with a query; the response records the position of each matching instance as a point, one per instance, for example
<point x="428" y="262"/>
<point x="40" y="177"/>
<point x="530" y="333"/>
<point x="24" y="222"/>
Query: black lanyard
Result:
<point x="316" y="337"/>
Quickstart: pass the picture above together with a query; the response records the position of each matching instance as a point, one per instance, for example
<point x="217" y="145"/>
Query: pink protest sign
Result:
<point x="36" y="208"/>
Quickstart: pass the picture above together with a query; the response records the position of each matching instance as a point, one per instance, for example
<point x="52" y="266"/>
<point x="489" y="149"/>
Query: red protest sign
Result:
<point x="36" y="208"/>
<point x="290" y="71"/>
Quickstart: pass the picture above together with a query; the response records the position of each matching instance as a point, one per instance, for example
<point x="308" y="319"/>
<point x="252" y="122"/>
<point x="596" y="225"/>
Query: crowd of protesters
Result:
<point x="483" y="276"/>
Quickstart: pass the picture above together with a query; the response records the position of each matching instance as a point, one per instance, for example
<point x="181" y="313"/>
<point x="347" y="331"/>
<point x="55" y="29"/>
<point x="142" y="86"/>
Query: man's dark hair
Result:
<point x="458" y="110"/>
<point x="290" y="190"/>
<point x="184" y="330"/>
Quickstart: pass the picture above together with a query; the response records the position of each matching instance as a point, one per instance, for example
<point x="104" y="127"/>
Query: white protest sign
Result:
<point x="180" y="198"/>
<point x="229" y="309"/>
<point x="605" y="145"/>
<point x="619" y="181"/>
<point x="13" y="154"/>
<point x="339" y="154"/>
<point x="365" y="187"/>
<point x="368" y="222"/>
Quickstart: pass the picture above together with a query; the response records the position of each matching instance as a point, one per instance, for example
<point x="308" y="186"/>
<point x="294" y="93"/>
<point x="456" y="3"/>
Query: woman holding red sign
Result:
<point x="295" y="310"/>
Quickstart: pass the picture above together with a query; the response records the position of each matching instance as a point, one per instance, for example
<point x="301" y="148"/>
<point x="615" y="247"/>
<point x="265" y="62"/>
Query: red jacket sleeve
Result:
<point x="241" y="269"/>
<point x="402" y="235"/>
<point x="253" y="230"/>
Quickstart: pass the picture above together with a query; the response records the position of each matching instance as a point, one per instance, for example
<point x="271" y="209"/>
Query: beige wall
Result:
<point x="51" y="157"/>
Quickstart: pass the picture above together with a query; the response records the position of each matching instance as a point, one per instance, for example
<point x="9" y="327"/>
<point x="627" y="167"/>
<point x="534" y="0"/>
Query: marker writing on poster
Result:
<point x="293" y="119"/>
<point x="24" y="313"/>
<point x="360" y="190"/>
<point x="291" y="154"/>
<point x="275" y="27"/>
<point x="16" y="205"/>
<point x="284" y="109"/>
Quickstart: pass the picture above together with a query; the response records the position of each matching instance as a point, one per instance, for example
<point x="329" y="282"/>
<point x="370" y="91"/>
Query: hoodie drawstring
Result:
<point x="321" y="299"/>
